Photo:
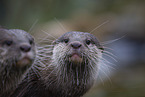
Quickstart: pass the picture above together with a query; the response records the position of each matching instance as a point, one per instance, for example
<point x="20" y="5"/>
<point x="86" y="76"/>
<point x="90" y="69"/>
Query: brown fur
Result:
<point x="14" y="46"/>
<point x="67" y="68"/>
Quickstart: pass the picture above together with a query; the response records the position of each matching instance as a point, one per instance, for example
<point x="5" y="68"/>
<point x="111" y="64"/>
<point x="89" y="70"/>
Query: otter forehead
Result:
<point x="75" y="35"/>
<point x="11" y="34"/>
<point x="20" y="34"/>
<point x="79" y="36"/>
<point x="4" y="34"/>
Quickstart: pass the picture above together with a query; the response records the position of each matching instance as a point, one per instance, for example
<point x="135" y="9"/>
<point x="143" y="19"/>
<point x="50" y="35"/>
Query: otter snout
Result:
<point x="76" y="45"/>
<point x="76" y="48"/>
<point x="26" y="56"/>
<point x="75" y="52"/>
<point x="25" y="48"/>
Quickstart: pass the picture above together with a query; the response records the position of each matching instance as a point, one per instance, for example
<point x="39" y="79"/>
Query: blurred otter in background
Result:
<point x="17" y="53"/>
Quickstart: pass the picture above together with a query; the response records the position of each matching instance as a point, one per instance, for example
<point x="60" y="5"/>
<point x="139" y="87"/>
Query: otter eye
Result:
<point x="88" y="42"/>
<point x="8" y="42"/>
<point x="66" y="40"/>
<point x="30" y="41"/>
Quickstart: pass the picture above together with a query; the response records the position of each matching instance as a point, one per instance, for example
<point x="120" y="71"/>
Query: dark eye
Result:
<point x="66" y="40"/>
<point x="8" y="42"/>
<point x="31" y="41"/>
<point x="88" y="42"/>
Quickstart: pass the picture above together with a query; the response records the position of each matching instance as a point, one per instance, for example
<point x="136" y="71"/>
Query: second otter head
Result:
<point x="17" y="48"/>
<point x="77" y="49"/>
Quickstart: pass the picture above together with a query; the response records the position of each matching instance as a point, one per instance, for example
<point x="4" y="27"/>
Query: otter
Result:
<point x="67" y="68"/>
<point x="17" y="53"/>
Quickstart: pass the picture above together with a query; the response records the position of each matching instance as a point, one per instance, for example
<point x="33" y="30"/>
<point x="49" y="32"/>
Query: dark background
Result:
<point x="125" y="21"/>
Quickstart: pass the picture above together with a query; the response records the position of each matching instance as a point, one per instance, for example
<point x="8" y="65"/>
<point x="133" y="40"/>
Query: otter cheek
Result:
<point x="75" y="59"/>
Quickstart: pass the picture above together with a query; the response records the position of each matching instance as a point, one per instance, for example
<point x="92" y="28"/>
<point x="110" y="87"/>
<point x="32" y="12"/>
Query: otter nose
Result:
<point x="25" y="48"/>
<point x="76" y="45"/>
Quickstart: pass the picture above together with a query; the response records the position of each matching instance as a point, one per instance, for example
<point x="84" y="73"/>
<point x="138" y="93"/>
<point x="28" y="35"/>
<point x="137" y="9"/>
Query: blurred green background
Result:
<point x="126" y="18"/>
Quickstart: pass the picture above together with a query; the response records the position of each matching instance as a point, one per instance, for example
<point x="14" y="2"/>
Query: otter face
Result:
<point x="77" y="48"/>
<point x="17" y="48"/>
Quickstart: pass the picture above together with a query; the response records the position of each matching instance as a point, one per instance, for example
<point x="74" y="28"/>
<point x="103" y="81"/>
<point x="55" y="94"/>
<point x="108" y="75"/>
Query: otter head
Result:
<point x="17" y="48"/>
<point x="77" y="49"/>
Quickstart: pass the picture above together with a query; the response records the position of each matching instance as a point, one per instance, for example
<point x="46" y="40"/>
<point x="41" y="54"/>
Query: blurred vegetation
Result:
<point x="23" y="13"/>
<point x="127" y="17"/>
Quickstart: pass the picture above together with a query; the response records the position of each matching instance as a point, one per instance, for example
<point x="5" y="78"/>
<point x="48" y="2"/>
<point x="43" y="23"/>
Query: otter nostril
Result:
<point x="76" y="45"/>
<point x="25" y="48"/>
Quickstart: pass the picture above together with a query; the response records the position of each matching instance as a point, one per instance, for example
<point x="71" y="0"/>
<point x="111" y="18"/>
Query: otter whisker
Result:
<point x="40" y="62"/>
<point x="84" y="64"/>
<point x="51" y="82"/>
<point x="24" y="89"/>
<point x="51" y="71"/>
<point x="102" y="81"/>
<point x="99" y="26"/>
<point x="35" y="69"/>
<point x="45" y="39"/>
<point x="111" y="57"/>
<point x="47" y="54"/>
<point x="110" y="54"/>
<point x="42" y="39"/>
<point x="43" y="56"/>
<point x="91" y="67"/>
<point x="46" y="47"/>
<point x="107" y="76"/>
<point x="104" y="68"/>
<point x="108" y="48"/>
<point x="49" y="34"/>
<point x="106" y="61"/>
<point x="77" y="75"/>
<point x="33" y="26"/>
<point x="106" y="65"/>
<point x="62" y="26"/>
<point x="111" y="41"/>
